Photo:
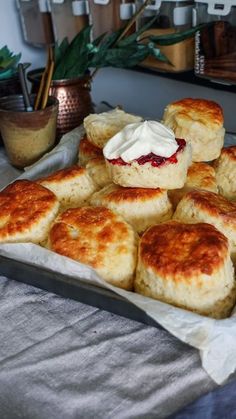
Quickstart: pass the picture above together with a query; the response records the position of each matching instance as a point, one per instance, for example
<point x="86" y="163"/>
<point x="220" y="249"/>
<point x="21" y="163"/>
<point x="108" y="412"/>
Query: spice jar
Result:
<point x="171" y="16"/>
<point x="36" y="22"/>
<point x="110" y="15"/>
<point x="68" y="17"/>
<point x="215" y="44"/>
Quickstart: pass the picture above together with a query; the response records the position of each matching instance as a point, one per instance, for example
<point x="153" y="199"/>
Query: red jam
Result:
<point x="156" y="161"/>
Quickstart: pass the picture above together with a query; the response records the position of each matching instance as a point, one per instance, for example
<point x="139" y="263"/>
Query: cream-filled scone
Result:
<point x="200" y="122"/>
<point x="87" y="151"/>
<point x="27" y="211"/>
<point x="73" y="186"/>
<point x="189" y="266"/>
<point x="204" y="206"/>
<point x="99" y="238"/>
<point x="147" y="155"/>
<point x="98" y="171"/>
<point x="138" y="206"/>
<point x="199" y="176"/>
<point x="102" y="126"/>
<point x="225" y="167"/>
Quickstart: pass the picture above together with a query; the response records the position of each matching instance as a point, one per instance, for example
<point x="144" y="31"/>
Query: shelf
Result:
<point x="189" y="77"/>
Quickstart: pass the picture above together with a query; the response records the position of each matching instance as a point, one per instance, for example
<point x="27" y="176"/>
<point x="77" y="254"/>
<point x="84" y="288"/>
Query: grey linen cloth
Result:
<point x="63" y="359"/>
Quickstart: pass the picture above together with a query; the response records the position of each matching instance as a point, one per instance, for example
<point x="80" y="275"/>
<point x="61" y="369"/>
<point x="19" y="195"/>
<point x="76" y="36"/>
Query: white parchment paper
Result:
<point x="215" y="339"/>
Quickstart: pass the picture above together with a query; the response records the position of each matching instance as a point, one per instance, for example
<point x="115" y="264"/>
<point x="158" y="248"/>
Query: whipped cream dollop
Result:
<point x="140" y="139"/>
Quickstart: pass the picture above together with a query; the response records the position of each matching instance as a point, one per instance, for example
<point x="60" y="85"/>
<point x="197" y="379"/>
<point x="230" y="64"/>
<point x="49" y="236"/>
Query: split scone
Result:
<point x="204" y="206"/>
<point x="87" y="151"/>
<point x="199" y="176"/>
<point x="199" y="122"/>
<point x="98" y="171"/>
<point x="189" y="266"/>
<point x="101" y="127"/>
<point x="138" y="206"/>
<point x="99" y="238"/>
<point x="225" y="167"/>
<point x="27" y="211"/>
<point x="73" y="186"/>
<point x="147" y="155"/>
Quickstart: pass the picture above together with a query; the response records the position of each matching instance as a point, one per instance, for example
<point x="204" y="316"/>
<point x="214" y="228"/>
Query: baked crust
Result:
<point x="225" y="167"/>
<point x="138" y="206"/>
<point x="26" y="212"/>
<point x="199" y="176"/>
<point x="87" y="151"/>
<point x="207" y="112"/>
<point x="73" y="186"/>
<point x="189" y="266"/>
<point x="100" y="238"/>
<point x="98" y="171"/>
<point x="200" y="122"/>
<point x="183" y="250"/>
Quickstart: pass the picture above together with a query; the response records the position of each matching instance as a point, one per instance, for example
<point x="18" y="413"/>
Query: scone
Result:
<point x="138" y="206"/>
<point x="101" y="127"/>
<point x="73" y="186"/>
<point x="225" y="167"/>
<point x="98" y="171"/>
<point x="87" y="151"/>
<point x="204" y="206"/>
<point x="199" y="176"/>
<point x="147" y="155"/>
<point x="27" y="211"/>
<point x="99" y="238"/>
<point x="189" y="266"/>
<point x="199" y="122"/>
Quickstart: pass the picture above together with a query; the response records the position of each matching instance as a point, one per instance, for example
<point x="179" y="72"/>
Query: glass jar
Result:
<point x="215" y="44"/>
<point x="110" y="15"/>
<point x="68" y="17"/>
<point x="171" y="16"/>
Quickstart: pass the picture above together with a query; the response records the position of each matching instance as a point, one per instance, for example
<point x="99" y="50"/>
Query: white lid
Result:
<point x="213" y="6"/>
<point x="80" y="7"/>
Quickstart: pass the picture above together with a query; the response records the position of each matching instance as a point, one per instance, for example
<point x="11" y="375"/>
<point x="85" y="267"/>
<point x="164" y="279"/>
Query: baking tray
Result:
<point x="74" y="288"/>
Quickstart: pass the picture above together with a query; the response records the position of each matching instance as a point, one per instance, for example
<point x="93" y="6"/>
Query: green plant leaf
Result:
<point x="7" y="59"/>
<point x="128" y="40"/>
<point x="76" y="51"/>
<point x="176" y="37"/>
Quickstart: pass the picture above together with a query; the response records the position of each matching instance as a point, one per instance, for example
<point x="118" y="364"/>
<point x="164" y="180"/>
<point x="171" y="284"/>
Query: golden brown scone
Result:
<point x="199" y="176"/>
<point x="26" y="212"/>
<point x="200" y="122"/>
<point x="73" y="186"/>
<point x="87" y="151"/>
<point x="204" y="206"/>
<point x="225" y="167"/>
<point x="99" y="238"/>
<point x="101" y="127"/>
<point x="189" y="266"/>
<point x="168" y="175"/>
<point x="138" y="206"/>
<point x="97" y="170"/>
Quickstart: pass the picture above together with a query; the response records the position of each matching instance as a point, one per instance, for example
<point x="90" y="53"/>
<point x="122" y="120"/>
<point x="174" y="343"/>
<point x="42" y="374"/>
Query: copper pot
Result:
<point x="74" y="98"/>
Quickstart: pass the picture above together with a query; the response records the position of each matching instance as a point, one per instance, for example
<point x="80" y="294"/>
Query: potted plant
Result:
<point x="9" y="79"/>
<point x="76" y="63"/>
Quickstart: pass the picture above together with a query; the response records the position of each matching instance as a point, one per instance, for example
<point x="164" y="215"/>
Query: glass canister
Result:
<point x="68" y="17"/>
<point x="171" y="16"/>
<point x="110" y="15"/>
<point x="36" y="22"/>
<point x="215" y="44"/>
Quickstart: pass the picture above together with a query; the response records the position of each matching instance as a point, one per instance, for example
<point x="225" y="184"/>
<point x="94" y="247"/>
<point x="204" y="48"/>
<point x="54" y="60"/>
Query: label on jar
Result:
<point x="215" y="51"/>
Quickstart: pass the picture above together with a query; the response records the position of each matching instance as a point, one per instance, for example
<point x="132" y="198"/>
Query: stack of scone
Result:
<point x="114" y="214"/>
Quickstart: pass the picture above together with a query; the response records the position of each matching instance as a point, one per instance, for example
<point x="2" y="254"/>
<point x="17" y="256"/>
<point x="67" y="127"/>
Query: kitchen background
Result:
<point x="140" y="92"/>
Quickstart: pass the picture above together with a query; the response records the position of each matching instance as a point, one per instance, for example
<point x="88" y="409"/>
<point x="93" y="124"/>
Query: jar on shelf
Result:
<point x="110" y="15"/>
<point x="171" y="16"/>
<point x="215" y="44"/>
<point x="68" y="17"/>
<point x="36" y="22"/>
